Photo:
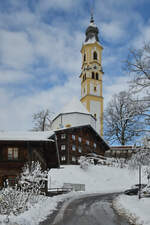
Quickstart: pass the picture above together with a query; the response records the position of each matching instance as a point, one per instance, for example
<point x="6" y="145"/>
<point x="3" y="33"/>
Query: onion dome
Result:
<point x="92" y="31"/>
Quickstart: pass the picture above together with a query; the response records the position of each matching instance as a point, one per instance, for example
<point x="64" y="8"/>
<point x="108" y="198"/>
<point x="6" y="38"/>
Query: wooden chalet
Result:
<point x="50" y="148"/>
<point x="74" y="142"/>
<point x="17" y="148"/>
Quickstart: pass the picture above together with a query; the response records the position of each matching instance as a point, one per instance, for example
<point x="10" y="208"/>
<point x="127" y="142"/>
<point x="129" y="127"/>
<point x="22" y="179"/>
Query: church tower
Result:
<point x="91" y="75"/>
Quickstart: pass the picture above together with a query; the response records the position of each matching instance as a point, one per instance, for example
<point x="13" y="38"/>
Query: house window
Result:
<point x="94" y="145"/>
<point x="12" y="180"/>
<point x="63" y="147"/>
<point x="95" y="55"/>
<point x="73" y="159"/>
<point x="73" y="137"/>
<point x="80" y="149"/>
<point x="63" y="158"/>
<point x="73" y="147"/>
<point x="93" y="75"/>
<point x="63" y="136"/>
<point x="97" y="76"/>
<point x="79" y="139"/>
<point x="12" y="153"/>
<point x="87" y="142"/>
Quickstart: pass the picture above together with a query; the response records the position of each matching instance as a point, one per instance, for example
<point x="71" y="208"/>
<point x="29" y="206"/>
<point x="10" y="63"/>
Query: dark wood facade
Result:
<point x="77" y="141"/>
<point x="64" y="146"/>
<point x="14" y="154"/>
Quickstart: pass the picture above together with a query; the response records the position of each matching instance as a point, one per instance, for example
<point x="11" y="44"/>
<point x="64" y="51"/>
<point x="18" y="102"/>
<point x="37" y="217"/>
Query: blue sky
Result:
<point x="40" y="60"/>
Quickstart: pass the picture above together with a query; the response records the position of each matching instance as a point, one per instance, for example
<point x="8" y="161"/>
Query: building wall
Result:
<point x="120" y="152"/>
<point x="91" y="88"/>
<point x="76" y="140"/>
<point x="44" y="152"/>
<point x="73" y="119"/>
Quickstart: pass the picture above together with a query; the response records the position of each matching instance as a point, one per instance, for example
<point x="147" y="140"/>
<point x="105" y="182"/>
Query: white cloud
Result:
<point x="16" y="50"/>
<point x="143" y="36"/>
<point x="45" y="5"/>
<point x="113" y="31"/>
<point x="13" y="76"/>
<point x="16" y="113"/>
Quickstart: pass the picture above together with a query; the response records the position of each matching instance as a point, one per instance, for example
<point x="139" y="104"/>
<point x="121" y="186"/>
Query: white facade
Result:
<point x="84" y="91"/>
<point x="95" y="88"/>
<point x="95" y="109"/>
<point x="73" y="119"/>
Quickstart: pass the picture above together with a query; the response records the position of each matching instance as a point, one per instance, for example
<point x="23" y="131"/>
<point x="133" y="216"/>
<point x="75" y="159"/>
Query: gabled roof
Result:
<point x="88" y="126"/>
<point x="26" y="135"/>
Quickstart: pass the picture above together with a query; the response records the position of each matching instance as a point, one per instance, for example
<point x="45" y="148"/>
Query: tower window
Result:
<point x="97" y="76"/>
<point x="95" y="55"/>
<point x="84" y="57"/>
<point x="93" y="75"/>
<point x="84" y="77"/>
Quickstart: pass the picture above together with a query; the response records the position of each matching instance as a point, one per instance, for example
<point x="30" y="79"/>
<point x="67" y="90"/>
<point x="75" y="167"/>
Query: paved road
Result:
<point x="91" y="210"/>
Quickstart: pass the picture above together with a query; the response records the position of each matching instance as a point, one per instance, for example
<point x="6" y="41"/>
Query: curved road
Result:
<point x="90" y="210"/>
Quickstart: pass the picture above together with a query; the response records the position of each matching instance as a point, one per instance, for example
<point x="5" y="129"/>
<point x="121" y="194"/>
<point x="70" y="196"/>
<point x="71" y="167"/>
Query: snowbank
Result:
<point x="136" y="210"/>
<point x="96" y="179"/>
<point x="37" y="213"/>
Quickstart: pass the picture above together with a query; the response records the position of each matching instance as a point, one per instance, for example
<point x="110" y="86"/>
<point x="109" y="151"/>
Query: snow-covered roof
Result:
<point x="26" y="136"/>
<point x="92" y="24"/>
<point x="74" y="106"/>
<point x="91" y="40"/>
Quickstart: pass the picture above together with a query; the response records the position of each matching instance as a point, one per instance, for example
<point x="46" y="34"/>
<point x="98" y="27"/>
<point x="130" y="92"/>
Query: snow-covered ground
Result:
<point x="136" y="209"/>
<point x="97" y="179"/>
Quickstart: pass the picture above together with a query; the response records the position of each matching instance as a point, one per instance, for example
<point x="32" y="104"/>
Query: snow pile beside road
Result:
<point x="37" y="213"/>
<point x="96" y="178"/>
<point x="137" y="210"/>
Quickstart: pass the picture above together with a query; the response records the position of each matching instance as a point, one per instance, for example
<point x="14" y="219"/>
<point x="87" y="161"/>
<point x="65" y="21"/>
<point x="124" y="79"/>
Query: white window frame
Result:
<point x="73" y="147"/>
<point x="73" y="159"/>
<point x="13" y="153"/>
<point x="87" y="142"/>
<point x="73" y="137"/>
<point x="80" y="139"/>
<point x="63" y="136"/>
<point x="80" y="149"/>
<point x="63" y="147"/>
<point x="63" y="158"/>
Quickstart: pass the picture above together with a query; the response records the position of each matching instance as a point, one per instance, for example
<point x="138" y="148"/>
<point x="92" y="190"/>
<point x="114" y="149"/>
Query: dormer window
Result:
<point x="95" y="55"/>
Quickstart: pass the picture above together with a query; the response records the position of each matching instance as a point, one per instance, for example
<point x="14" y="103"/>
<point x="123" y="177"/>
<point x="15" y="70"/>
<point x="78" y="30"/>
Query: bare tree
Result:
<point x="122" y="119"/>
<point x="138" y="65"/>
<point x="42" y="120"/>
